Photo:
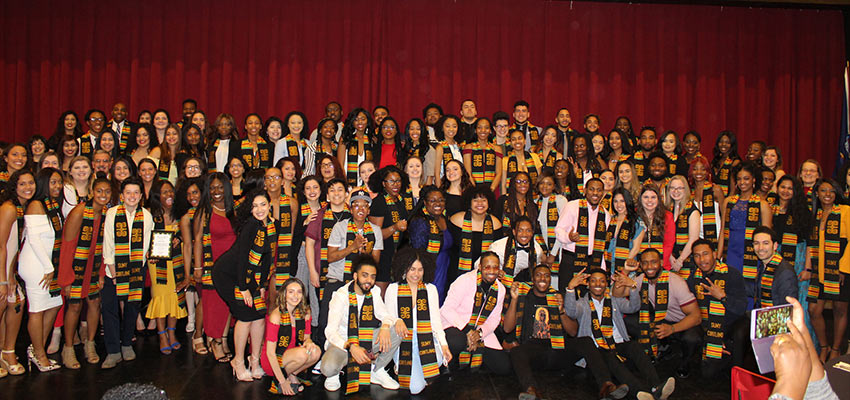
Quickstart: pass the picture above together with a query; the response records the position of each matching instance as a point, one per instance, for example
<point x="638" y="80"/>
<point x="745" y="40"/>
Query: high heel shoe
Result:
<point x="239" y="372"/>
<point x="91" y="352"/>
<point x="166" y="349"/>
<point x="69" y="358"/>
<point x="256" y="370"/>
<point x="176" y="345"/>
<point x="12" y="369"/>
<point x="42" y="368"/>
<point x="31" y="354"/>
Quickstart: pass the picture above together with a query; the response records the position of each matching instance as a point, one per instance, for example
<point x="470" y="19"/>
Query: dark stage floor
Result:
<point x="185" y="375"/>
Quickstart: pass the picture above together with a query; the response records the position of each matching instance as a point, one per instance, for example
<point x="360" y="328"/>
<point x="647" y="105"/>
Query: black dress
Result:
<point x="454" y="204"/>
<point x="233" y="271"/>
<point x="381" y="209"/>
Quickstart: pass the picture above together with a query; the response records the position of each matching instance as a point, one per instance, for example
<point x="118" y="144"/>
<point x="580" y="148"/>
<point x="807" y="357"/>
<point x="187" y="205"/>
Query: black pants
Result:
<point x="636" y="360"/>
<point x="539" y="356"/>
<point x="118" y="328"/>
<point x="690" y="339"/>
<point x="324" y="304"/>
<point x="497" y="361"/>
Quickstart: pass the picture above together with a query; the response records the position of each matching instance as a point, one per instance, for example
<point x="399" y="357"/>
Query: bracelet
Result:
<point x="198" y="269"/>
<point x="4" y="283"/>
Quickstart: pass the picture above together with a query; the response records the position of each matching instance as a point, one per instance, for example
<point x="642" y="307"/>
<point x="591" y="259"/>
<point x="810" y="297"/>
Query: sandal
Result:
<point x="176" y="345"/>
<point x="218" y="351"/>
<point x="199" y="347"/>
<point x="69" y="358"/>
<point x="167" y="349"/>
<point x="12" y="369"/>
<point x="91" y="352"/>
<point x="832" y="350"/>
<point x="823" y="355"/>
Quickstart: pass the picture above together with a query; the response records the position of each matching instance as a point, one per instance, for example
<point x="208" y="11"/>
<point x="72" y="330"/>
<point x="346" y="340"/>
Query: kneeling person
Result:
<point x="356" y="311"/>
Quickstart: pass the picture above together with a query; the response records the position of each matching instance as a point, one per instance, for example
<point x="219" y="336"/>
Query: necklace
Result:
<point x="218" y="209"/>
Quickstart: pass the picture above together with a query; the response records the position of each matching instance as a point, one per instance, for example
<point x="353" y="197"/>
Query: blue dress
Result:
<point x="735" y="246"/>
<point x="418" y="233"/>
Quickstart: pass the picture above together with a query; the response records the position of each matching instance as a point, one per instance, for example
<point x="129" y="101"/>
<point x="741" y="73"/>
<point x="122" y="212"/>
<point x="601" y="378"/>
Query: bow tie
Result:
<point x="526" y="249"/>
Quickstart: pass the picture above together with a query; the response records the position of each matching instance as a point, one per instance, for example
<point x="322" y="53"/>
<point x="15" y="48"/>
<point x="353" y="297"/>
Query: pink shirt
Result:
<point x="569" y="221"/>
<point x="272" y="336"/>
<point x="457" y="309"/>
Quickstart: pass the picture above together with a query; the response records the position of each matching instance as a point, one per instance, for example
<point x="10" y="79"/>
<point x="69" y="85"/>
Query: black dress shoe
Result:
<point x="683" y="371"/>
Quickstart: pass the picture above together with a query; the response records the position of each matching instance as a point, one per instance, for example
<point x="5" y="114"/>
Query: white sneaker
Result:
<point x="332" y="383"/>
<point x="382" y="377"/>
<point x="317" y="369"/>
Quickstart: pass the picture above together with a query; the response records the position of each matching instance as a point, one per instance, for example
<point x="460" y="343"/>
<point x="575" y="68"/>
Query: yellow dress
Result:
<point x="164" y="301"/>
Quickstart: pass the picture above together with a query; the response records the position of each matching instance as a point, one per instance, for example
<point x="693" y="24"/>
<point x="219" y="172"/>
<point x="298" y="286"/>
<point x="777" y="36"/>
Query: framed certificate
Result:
<point x="161" y="244"/>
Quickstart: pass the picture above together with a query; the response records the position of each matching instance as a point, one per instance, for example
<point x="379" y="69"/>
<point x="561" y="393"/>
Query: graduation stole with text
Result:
<point x="712" y="310"/>
<point x="360" y="332"/>
<point x="483" y="306"/>
<point x="465" y="261"/>
<point x="84" y="251"/>
<point x="57" y="221"/>
<point x="260" y="245"/>
<point x="824" y="284"/>
<point x="671" y="166"/>
<point x="125" y="133"/>
<point x="177" y="265"/>
<point x="529" y="129"/>
<point x="603" y="330"/>
<point x="322" y="149"/>
<point x="709" y="213"/>
<point x="260" y="159"/>
<point x="622" y="244"/>
<point x="513" y="168"/>
<point x="483" y="164"/>
<point x="593" y="260"/>
<point x="766" y="281"/>
<point x="350" y="235"/>
<point x="640" y="167"/>
<point x="682" y="234"/>
<point x="211" y="167"/>
<point x="427" y="347"/>
<point x="650" y="315"/>
<point x="723" y="175"/>
<point x="295" y="148"/>
<point x="750" y="267"/>
<point x="164" y="168"/>
<point x="556" y="330"/>
<point x="129" y="254"/>
<point x="283" y="264"/>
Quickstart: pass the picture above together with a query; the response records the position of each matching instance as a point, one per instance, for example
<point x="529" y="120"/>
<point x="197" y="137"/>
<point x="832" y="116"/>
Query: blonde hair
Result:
<point x="70" y="180"/>
<point x="668" y="198"/>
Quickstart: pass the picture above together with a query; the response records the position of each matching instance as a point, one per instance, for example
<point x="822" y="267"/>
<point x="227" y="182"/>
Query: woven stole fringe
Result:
<point x="360" y="332"/>
<point x="465" y="260"/>
<point x="824" y="284"/>
<point x="427" y="347"/>
<point x="649" y="315"/>
<point x="82" y="254"/>
<point x="129" y="255"/>
<point x="713" y="312"/>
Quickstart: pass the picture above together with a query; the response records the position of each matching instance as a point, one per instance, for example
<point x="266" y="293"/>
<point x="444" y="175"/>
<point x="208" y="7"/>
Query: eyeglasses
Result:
<point x="521" y="181"/>
<point x="96" y="119"/>
<point x="676" y="188"/>
<point x="193" y="168"/>
<point x="273" y="177"/>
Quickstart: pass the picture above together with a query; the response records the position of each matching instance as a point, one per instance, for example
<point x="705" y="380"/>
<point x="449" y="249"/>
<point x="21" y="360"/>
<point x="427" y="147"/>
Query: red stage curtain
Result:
<point x="771" y="74"/>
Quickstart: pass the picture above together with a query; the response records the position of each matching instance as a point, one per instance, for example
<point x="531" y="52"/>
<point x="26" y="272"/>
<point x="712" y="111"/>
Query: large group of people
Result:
<point x="378" y="251"/>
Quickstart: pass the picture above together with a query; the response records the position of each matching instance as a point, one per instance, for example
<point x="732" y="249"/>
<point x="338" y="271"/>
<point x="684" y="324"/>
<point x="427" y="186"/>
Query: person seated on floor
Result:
<point x="725" y="329"/>
<point x="470" y="315"/>
<point x="668" y="308"/>
<point x="537" y="319"/>
<point x="599" y="313"/>
<point x="518" y="252"/>
<point x="423" y="347"/>
<point x="356" y="311"/>
<point x="288" y="349"/>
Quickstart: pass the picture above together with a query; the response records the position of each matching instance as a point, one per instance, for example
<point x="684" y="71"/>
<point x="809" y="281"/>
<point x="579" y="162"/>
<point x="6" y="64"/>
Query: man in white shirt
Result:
<point x="515" y="260"/>
<point x="120" y="125"/>
<point x="351" y="340"/>
<point x="124" y="280"/>
<point x="574" y="232"/>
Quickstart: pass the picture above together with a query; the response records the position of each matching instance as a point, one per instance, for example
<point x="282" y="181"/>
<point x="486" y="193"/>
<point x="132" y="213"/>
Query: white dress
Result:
<point x="35" y="261"/>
